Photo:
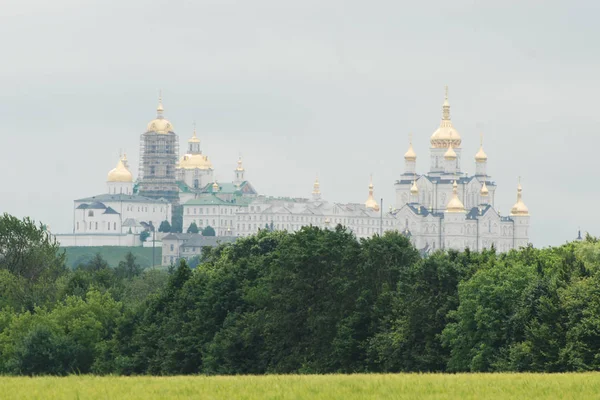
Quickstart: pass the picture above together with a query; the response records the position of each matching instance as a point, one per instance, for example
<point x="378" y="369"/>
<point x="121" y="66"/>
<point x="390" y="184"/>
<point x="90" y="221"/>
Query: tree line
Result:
<point x="313" y="301"/>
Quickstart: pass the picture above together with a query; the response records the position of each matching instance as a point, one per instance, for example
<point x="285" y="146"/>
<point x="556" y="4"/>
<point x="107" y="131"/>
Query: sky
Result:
<point x="301" y="88"/>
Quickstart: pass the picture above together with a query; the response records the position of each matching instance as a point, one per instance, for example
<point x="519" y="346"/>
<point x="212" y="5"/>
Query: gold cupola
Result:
<point x="410" y="155"/>
<point x="120" y="173"/>
<point x="414" y="189"/>
<point x="450" y="154"/>
<point x="239" y="164"/>
<point x="445" y="135"/>
<point x="484" y="192"/>
<point x="519" y="209"/>
<point x="160" y="124"/>
<point x="481" y="157"/>
<point x="371" y="203"/>
<point x="316" y="186"/>
<point x="455" y="205"/>
<point x="215" y="187"/>
<point x="194" y="138"/>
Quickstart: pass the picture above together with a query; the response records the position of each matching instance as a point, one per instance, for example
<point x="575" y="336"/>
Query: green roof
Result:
<point x="211" y="199"/>
<point x="230" y="188"/>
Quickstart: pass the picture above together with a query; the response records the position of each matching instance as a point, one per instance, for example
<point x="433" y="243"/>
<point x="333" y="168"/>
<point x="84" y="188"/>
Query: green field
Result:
<point x="346" y="387"/>
<point x="112" y="254"/>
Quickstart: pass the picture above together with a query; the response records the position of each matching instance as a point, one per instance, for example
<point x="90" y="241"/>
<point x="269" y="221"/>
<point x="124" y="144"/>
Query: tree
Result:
<point x="28" y="250"/>
<point x="128" y="268"/>
<point x="193" y="228"/>
<point x="164" y="227"/>
<point x="144" y="235"/>
<point x="177" y="219"/>
<point x="208" y="231"/>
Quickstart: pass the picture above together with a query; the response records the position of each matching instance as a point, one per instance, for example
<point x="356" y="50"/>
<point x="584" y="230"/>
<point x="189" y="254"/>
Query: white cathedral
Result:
<point x="448" y="209"/>
<point x="442" y="209"/>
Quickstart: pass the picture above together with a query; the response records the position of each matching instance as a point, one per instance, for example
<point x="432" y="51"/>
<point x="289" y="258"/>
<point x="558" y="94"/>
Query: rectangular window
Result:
<point x="96" y="226"/>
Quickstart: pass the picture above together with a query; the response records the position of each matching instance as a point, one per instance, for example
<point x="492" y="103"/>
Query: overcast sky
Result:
<point x="303" y="88"/>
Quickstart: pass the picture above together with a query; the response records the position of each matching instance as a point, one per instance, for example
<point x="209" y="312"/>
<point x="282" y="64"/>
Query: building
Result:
<point x="291" y="214"/>
<point x="117" y="217"/>
<point x="176" y="246"/>
<point x="446" y="208"/>
<point x="159" y="151"/>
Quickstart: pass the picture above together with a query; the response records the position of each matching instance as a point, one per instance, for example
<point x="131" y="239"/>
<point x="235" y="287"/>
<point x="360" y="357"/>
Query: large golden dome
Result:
<point x="160" y="124"/>
<point x="193" y="161"/>
<point x="445" y="135"/>
<point x="120" y="173"/>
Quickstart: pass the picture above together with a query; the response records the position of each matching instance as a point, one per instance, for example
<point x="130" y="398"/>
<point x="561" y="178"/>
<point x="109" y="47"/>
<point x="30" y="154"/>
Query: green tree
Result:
<point x="165" y="227"/>
<point x="193" y="228"/>
<point x="144" y="235"/>
<point x="208" y="231"/>
<point x="128" y="268"/>
<point x="177" y="219"/>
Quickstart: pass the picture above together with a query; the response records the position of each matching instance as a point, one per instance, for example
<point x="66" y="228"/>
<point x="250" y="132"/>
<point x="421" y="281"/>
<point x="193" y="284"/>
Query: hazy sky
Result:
<point x="303" y="88"/>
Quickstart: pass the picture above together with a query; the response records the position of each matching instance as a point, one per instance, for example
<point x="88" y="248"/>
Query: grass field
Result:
<point x="346" y="387"/>
<point x="112" y="255"/>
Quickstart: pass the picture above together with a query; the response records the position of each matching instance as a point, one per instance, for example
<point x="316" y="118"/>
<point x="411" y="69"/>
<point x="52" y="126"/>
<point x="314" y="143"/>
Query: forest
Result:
<point x="314" y="301"/>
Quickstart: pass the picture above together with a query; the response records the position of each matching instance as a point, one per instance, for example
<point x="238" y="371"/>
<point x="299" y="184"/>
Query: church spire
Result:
<point x="446" y="107"/>
<point x="316" y="193"/>
<point x="160" y="109"/>
<point x="371" y="203"/>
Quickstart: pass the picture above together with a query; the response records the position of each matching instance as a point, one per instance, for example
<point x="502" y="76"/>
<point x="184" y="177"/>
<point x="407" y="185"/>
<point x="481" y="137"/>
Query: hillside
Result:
<point x="112" y="254"/>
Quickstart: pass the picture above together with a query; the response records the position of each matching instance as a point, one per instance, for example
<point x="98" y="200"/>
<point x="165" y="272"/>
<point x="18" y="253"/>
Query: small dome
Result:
<point x="481" y="156"/>
<point x="519" y="209"/>
<point x="455" y="205"/>
<point x="484" y="190"/>
<point x="410" y="155"/>
<point x="120" y="173"/>
<point x="194" y="161"/>
<point x="414" y="190"/>
<point x="215" y="187"/>
<point x="450" y="154"/>
<point x="371" y="202"/>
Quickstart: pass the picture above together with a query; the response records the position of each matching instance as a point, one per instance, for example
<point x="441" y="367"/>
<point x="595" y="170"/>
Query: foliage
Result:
<point x="208" y="231"/>
<point x="165" y="227"/>
<point x="312" y="301"/>
<point x="177" y="219"/>
<point x="144" y="235"/>
<point x="193" y="228"/>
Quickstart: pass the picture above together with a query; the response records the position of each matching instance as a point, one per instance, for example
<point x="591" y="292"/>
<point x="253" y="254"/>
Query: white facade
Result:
<point x="210" y="210"/>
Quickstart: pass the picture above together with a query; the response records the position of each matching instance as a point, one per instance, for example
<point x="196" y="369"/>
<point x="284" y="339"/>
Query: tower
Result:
<point x="454" y="221"/>
<point x="410" y="160"/>
<point x="159" y="150"/>
<point x="239" y="172"/>
<point x="480" y="160"/>
<point x="520" y="215"/>
<point x="444" y="137"/>
<point x="194" y="168"/>
<point x="371" y="203"/>
<point x="316" y="193"/>
<point x="450" y="166"/>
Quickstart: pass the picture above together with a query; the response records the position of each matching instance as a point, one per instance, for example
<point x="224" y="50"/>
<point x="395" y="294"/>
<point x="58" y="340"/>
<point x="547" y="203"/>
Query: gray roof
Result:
<point x="110" y="210"/>
<point x="96" y="206"/>
<point x="131" y="198"/>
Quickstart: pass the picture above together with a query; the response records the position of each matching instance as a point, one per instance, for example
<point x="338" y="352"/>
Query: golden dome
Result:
<point x="484" y="190"/>
<point x="445" y="135"/>
<point x="215" y="187"/>
<point x="414" y="190"/>
<point x="239" y="164"/>
<point x="410" y="155"/>
<point x="519" y="209"/>
<point x="120" y="173"/>
<point x="193" y="161"/>
<point x="371" y="203"/>
<point x="450" y="154"/>
<point x="159" y="124"/>
<point x="481" y="156"/>
<point x="455" y="205"/>
<point x="316" y="186"/>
